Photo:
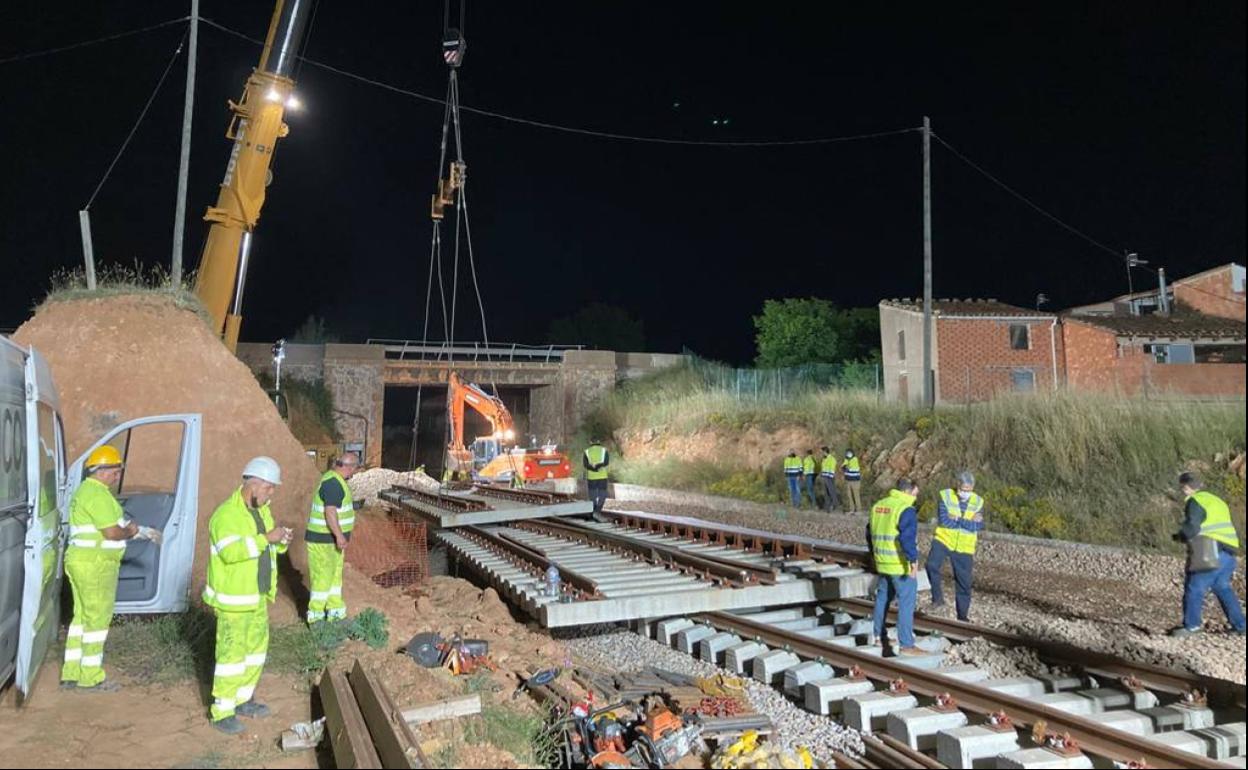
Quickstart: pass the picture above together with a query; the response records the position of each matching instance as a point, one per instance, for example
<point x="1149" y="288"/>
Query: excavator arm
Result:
<point x="255" y="127"/>
<point x="462" y="394"/>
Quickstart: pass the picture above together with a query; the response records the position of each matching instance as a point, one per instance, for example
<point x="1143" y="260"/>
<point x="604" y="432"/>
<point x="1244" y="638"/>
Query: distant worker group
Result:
<point x="892" y="537"/>
<point x="800" y="473"/>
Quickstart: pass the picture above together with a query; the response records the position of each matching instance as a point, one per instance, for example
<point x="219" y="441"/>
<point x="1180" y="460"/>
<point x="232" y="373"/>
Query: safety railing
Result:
<point x="472" y="351"/>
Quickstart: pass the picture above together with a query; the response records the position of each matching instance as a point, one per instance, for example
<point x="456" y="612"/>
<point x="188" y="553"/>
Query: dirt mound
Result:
<point x="120" y="358"/>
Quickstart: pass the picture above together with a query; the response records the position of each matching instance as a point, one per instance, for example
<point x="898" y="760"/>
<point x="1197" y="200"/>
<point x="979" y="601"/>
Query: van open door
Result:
<point x="158" y="488"/>
<point x="42" y="556"/>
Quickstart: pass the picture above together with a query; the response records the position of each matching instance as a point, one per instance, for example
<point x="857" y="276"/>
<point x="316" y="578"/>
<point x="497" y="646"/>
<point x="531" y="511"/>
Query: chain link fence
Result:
<point x="787" y="383"/>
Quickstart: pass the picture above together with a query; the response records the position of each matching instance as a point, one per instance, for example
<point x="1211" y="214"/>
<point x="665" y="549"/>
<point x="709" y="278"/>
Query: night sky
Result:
<point x="1125" y="120"/>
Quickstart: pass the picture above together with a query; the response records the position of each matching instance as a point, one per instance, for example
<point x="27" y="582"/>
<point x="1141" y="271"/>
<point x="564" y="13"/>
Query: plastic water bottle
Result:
<point x="552" y="580"/>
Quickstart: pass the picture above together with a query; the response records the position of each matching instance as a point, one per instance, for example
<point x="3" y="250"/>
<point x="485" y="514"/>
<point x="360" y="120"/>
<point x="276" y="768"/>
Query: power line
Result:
<point x="84" y="43"/>
<point x="142" y="115"/>
<point x="572" y="129"/>
<point x="1117" y="254"/>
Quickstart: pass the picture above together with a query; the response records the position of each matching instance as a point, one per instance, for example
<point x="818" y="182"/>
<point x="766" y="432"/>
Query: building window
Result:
<point x="1024" y="380"/>
<point x="1220" y="354"/>
<point x="901" y="345"/>
<point x="1020" y="337"/>
<point x="1171" y="353"/>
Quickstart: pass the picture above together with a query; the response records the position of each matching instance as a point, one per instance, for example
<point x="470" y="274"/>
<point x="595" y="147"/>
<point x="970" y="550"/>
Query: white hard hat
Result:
<point x="263" y="468"/>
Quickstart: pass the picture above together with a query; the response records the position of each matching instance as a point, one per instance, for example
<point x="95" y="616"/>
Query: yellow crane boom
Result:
<point x="256" y="125"/>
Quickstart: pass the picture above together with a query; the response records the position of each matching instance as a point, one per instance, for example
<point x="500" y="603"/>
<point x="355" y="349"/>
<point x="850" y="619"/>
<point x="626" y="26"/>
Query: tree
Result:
<point x="599" y="326"/>
<point x="793" y="332"/>
<point x="312" y="331"/>
<point x="859" y="330"/>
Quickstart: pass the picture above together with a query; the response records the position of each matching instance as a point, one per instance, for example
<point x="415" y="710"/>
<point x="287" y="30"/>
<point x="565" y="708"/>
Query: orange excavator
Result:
<point x="495" y="457"/>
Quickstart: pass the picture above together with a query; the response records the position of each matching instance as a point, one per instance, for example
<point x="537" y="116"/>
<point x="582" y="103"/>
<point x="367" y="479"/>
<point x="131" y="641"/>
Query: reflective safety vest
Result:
<point x="346" y="511"/>
<point x="828" y="467"/>
<point x="792" y="466"/>
<point x="234" y="561"/>
<point x="1217" y="524"/>
<point x="885" y="517"/>
<point x="596" y="454"/>
<point x="853" y="471"/>
<point x="957" y="539"/>
<point x="808" y="465"/>
<point x="94" y="502"/>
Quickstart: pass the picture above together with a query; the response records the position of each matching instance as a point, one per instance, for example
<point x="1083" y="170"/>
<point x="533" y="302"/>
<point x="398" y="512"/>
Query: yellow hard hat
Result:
<point x="104" y="456"/>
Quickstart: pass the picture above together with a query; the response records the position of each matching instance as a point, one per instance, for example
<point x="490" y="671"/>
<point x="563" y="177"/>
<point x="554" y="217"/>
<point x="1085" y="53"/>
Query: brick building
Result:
<point x="980" y="348"/>
<point x="1184" y="353"/>
<point x="1191" y="344"/>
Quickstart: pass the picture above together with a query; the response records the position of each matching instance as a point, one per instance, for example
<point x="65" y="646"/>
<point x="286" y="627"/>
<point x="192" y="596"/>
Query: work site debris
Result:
<point x="747" y="752"/>
<point x="303" y="735"/>
<point x="366" y="484"/>
<point x="619" y="650"/>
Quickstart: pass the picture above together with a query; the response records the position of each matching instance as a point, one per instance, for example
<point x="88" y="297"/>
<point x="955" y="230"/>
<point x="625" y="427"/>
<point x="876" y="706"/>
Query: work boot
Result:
<point x="253" y="710"/>
<point x="912" y="650"/>
<point x="105" y="686"/>
<point x="1182" y="632"/>
<point x="68" y="685"/>
<point x="229" y="725"/>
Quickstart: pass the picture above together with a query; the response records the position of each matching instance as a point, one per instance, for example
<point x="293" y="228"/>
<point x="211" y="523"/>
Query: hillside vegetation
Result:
<point x="1073" y="466"/>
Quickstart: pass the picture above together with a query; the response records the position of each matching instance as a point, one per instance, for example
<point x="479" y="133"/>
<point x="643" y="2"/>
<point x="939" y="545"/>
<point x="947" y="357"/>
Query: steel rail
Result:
<point x="1092" y="736"/>
<point x="397" y="492"/>
<point x="781" y="546"/>
<point x="1219" y="691"/>
<point x="710" y="567"/>
<point x="530" y="496"/>
<point x="538" y="562"/>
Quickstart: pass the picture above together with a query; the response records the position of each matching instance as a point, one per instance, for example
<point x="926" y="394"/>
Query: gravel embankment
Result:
<point x="613" y="649"/>
<point x="1111" y="600"/>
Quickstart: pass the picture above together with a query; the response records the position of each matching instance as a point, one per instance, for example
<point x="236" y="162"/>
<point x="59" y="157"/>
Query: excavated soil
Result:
<point x="120" y="358"/>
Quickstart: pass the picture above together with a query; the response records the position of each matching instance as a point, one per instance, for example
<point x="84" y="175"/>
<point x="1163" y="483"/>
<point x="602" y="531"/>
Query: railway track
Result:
<point x="916" y="712"/>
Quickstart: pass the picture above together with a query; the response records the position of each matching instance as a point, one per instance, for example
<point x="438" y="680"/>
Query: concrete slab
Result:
<point x="965" y="672"/>
<point x="860" y="627"/>
<point x="687" y="640"/>
<point x="800" y="624"/>
<point x="935" y="644"/>
<point x="623" y="604"/>
<point x="1042" y="758"/>
<point x="769" y="667"/>
<point x="499" y="511"/>
<point x="1223" y="741"/>
<point x="773" y="616"/>
<point x="1064" y="682"/>
<point x="1018" y="686"/>
<point x="712" y="648"/>
<point x="827" y="696"/>
<point x="1167" y="718"/>
<point x="739" y="659"/>
<point x="1128" y="721"/>
<point x="917" y="728"/>
<point x="1070" y="702"/>
<point x="1107" y="698"/>
<point x="869" y="712"/>
<point x="796" y="678"/>
<point x="929" y="662"/>
<point x="1181" y="740"/>
<point x="666" y="630"/>
<point x="822" y="633"/>
<point x="974" y="746"/>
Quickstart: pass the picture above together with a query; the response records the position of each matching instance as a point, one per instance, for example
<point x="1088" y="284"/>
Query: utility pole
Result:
<point x="88" y="250"/>
<point x="929" y="394"/>
<point x="188" y="108"/>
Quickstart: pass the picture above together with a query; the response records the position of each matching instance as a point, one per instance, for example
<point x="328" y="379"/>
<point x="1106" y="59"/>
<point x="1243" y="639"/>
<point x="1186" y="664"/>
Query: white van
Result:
<point x="159" y="488"/>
